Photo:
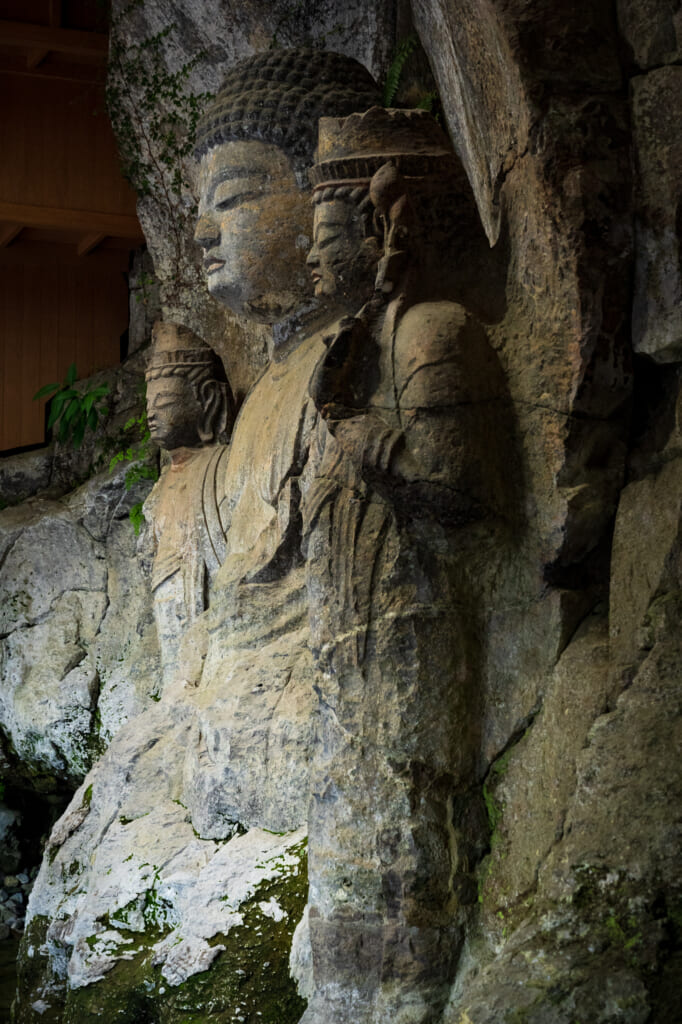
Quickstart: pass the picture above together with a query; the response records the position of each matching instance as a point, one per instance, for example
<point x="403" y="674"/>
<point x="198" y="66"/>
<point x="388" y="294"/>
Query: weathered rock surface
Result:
<point x="52" y="608"/>
<point x="657" y="308"/>
<point x="156" y="903"/>
<point x="10" y="853"/>
<point x="581" y="889"/>
<point x="76" y="625"/>
<point x="645" y="563"/>
<point x="148" y="926"/>
<point x="653" y="28"/>
<point x="599" y="921"/>
<point x="23" y="475"/>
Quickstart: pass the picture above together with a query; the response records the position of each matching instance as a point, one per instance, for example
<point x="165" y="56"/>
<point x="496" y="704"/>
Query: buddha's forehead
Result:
<point x="167" y="383"/>
<point x="244" y="159"/>
<point x="333" y="211"/>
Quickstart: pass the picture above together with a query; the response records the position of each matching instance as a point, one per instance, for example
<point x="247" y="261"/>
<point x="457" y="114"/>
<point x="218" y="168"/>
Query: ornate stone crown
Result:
<point x="175" y="347"/>
<point x="351" y="149"/>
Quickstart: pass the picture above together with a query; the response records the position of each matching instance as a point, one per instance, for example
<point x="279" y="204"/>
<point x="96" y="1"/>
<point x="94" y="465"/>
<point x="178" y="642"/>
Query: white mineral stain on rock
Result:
<point x="272" y="909"/>
<point x="209" y="904"/>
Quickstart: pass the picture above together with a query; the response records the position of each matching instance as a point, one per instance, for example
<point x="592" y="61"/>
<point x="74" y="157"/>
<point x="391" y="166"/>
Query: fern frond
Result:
<point x="393" y="76"/>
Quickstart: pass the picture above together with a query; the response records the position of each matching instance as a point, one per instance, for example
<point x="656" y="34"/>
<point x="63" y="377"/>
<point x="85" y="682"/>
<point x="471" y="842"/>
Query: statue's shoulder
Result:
<point x="437" y="345"/>
<point x="438" y="324"/>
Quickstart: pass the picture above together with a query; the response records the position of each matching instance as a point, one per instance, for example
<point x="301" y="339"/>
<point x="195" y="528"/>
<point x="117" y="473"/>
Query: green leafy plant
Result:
<point x="429" y="101"/>
<point x="395" y="71"/>
<point x="73" y="410"/>
<point x="145" y="284"/>
<point x="139" y="453"/>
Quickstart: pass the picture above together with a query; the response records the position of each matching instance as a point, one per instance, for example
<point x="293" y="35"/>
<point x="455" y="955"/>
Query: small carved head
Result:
<point x="392" y="169"/>
<point x="345" y="253"/>
<point x="189" y="401"/>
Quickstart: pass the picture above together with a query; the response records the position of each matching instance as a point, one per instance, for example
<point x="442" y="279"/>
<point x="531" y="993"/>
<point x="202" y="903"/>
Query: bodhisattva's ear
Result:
<point x="216" y="410"/>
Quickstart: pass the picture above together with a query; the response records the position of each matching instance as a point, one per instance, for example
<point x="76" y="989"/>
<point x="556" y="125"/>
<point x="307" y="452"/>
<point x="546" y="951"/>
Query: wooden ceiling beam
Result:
<point x="50" y="38"/>
<point x="120" y="225"/>
<point x="63" y="254"/>
<point x="8" y="232"/>
<point x="75" y="71"/>
<point x="35" y="57"/>
<point x="89" y="242"/>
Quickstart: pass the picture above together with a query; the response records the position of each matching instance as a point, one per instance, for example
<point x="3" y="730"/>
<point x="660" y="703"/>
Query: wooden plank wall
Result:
<point x="58" y="147"/>
<point x="56" y="307"/>
<point x="53" y="314"/>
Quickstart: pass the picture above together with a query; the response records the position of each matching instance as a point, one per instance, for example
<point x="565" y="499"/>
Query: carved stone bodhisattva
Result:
<point x="190" y="412"/>
<point x="406" y="391"/>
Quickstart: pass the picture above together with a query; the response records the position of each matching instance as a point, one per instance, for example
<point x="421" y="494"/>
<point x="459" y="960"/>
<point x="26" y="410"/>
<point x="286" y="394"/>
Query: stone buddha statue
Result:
<point x="407" y="391"/>
<point x="248" y="760"/>
<point x="190" y="412"/>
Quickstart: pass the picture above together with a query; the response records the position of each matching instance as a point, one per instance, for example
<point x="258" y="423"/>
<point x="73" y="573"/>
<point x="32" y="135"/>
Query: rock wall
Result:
<point x="579" y="894"/>
<point x="564" y="116"/>
<point x="78" y="637"/>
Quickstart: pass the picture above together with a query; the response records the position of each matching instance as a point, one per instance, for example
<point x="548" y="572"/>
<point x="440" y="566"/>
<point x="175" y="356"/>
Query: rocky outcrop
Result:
<point x="77" y="637"/>
<point x="657" y="321"/>
<point x="171" y="878"/>
<point x="581" y="890"/>
<point x="78" y="642"/>
<point x="10" y="854"/>
<point x="151" y="923"/>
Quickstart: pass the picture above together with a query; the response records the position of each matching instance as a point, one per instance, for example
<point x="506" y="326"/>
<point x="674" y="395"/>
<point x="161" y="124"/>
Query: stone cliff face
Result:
<point x="171" y="887"/>
<point x="79" y="643"/>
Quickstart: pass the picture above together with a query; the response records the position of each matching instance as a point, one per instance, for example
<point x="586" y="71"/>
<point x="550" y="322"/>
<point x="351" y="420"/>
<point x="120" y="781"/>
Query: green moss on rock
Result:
<point x="33" y="986"/>
<point x="247" y="983"/>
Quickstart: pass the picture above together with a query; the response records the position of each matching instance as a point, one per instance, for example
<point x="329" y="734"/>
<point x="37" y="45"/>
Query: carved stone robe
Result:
<point x="249" y="755"/>
<point x="189" y="544"/>
<point x="397" y="729"/>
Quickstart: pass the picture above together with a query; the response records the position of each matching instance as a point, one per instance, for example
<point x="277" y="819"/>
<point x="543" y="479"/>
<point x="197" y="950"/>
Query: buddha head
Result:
<point x="189" y="401"/>
<point x="255" y="144"/>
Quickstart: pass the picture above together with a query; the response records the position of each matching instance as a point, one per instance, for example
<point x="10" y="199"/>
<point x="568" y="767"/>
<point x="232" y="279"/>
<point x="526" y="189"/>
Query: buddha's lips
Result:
<point x="210" y="265"/>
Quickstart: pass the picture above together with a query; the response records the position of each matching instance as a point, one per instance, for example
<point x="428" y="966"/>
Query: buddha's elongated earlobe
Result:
<point x="216" y="407"/>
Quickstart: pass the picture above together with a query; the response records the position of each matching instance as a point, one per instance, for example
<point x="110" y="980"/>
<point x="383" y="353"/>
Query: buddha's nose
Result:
<point x="206" y="233"/>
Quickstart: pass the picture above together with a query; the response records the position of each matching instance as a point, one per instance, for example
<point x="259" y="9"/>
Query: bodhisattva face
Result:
<point x="173" y="412"/>
<point x="254" y="227"/>
<point x="342" y="261"/>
